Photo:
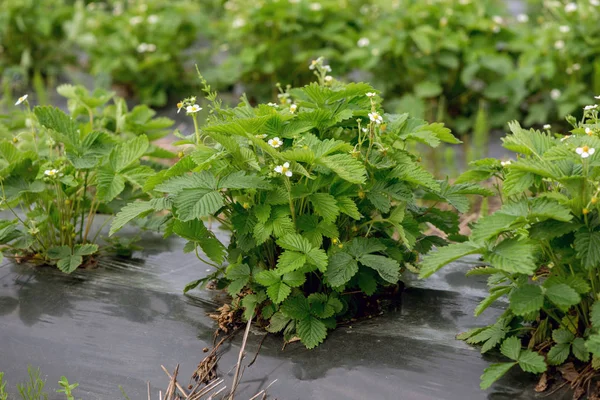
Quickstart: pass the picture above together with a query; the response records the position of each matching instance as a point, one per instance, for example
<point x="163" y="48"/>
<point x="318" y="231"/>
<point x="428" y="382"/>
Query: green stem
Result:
<point x="196" y="129"/>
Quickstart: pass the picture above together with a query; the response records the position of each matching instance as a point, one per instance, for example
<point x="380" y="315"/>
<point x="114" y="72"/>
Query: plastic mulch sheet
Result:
<point x="115" y="325"/>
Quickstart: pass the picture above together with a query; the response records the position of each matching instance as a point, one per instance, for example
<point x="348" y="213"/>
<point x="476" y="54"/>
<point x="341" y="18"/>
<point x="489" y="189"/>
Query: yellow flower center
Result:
<point x="585" y="149"/>
<point x="179" y="105"/>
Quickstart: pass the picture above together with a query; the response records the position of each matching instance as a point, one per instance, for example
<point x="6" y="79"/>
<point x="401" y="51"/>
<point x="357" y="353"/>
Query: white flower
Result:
<point x="275" y="142"/>
<point x="371" y="94"/>
<point x="592" y="107"/>
<point x="51" y="173"/>
<point x="152" y="19"/>
<point x="576" y="67"/>
<point x="547" y="126"/>
<point x="597" y="97"/>
<point x="569" y="70"/>
<point x="571" y="7"/>
<point x="559" y="44"/>
<point x="238" y="22"/>
<point x="498" y="19"/>
<point x="565" y="138"/>
<point x="179" y="106"/>
<point x="363" y="42"/>
<point x="313" y="63"/>
<point x="585" y="151"/>
<point x="328" y="78"/>
<point x="261" y="136"/>
<point x="505" y="163"/>
<point x="375" y="117"/>
<point x="135" y="20"/>
<point x="595" y="2"/>
<point x="589" y="132"/>
<point x="151" y="47"/>
<point x="365" y="130"/>
<point x="21" y="99"/>
<point x="293" y="108"/>
<point x="316" y="6"/>
<point x="522" y="18"/>
<point x="193" y="109"/>
<point x="284" y="169"/>
<point x="555" y="94"/>
<point x="142" y="48"/>
<point x="272" y="104"/>
<point x="326" y="68"/>
<point x="564" y="28"/>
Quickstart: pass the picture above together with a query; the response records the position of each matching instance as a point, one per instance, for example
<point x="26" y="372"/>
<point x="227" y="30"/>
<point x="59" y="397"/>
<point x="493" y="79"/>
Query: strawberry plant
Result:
<point x="324" y="203"/>
<point x="57" y="171"/>
<point x="540" y="249"/>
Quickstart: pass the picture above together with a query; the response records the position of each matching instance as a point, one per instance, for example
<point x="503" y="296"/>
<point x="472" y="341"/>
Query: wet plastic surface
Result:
<point x="117" y="324"/>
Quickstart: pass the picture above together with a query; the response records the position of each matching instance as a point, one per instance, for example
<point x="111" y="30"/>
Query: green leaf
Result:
<point x="294" y="279"/>
<point x="433" y="261"/>
<point x="346" y="167"/>
<point x="296" y="307"/>
<point x="69" y="263"/>
<point x="595" y="314"/>
<point x="110" y="184"/>
<point x="593" y="344"/>
<point x="348" y="206"/>
<point x="267" y="278"/>
<point x="85" y="249"/>
<point x="340" y="269"/>
<point x="562" y="295"/>
<point x="579" y="350"/>
<point x="587" y="245"/>
<point x="312" y="331"/>
<point x="366" y="281"/>
<point x="240" y="180"/>
<point x="135" y="210"/>
<point x="526" y="299"/>
<point x="530" y="361"/>
<point x="128" y="153"/>
<point x="290" y="261"/>
<point x="197" y="203"/>
<point x="562" y="336"/>
<point x="58" y="252"/>
<point x="388" y="269"/>
<point x="484" y="304"/>
<point x="513" y="256"/>
<point x="278" y="292"/>
<point x="559" y="353"/>
<point x="325" y="205"/>
<point x="295" y="242"/>
<point x="413" y="173"/>
<point x="277" y="322"/>
<point x="511" y="348"/>
<point x="494" y="372"/>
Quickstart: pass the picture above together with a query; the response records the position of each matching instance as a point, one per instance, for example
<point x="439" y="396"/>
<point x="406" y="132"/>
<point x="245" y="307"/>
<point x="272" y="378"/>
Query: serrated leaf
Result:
<point x="290" y="261"/>
<point x="562" y="295"/>
<point x="348" y="206"/>
<point x="494" y="372"/>
<point x="197" y="203"/>
<point x="530" y="361"/>
<point x="278" y="292"/>
<point x="511" y="348"/>
<point x="595" y="314"/>
<point x="346" y="167"/>
<point x="558" y="353"/>
<point x="513" y="256"/>
<point x="340" y="269"/>
<point x="579" y="350"/>
<point x="69" y="263"/>
<point x="110" y="184"/>
<point x="526" y="299"/>
<point x="325" y="205"/>
<point x="267" y="278"/>
<point x="388" y="269"/>
<point x="485" y="303"/>
<point x="587" y="245"/>
<point x="433" y="261"/>
<point x="296" y="307"/>
<point x="85" y="249"/>
<point x="312" y="331"/>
